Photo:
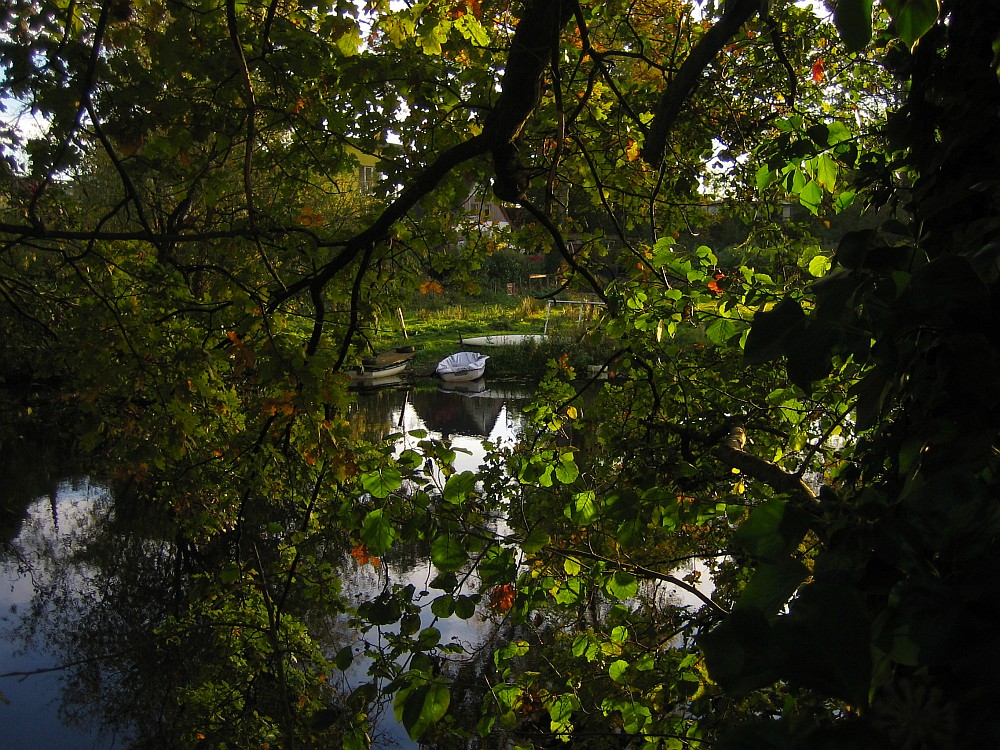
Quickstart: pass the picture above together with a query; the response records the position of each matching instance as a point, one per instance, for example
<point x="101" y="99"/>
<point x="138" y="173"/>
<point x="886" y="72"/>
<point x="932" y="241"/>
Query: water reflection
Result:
<point x="91" y="581"/>
<point x="466" y="415"/>
<point x="42" y="572"/>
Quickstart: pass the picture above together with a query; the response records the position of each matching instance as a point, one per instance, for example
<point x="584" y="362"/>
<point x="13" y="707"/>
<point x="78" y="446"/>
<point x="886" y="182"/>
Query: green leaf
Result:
<point x="663" y="252"/>
<point x="345" y="657"/>
<point x="409" y="623"/>
<point x="230" y="573"/>
<point x="843" y="200"/>
<point x="465" y="607"/>
<point x="826" y="172"/>
<point x="646" y="662"/>
<point x="428" y="639"/>
<point x="377" y="533"/>
<point x="619" y="634"/>
<point x="819" y="265"/>
<point x="707" y="255"/>
<point x="912" y="18"/>
<point x="618" y="670"/>
<point x="444" y="582"/>
<point x="458" y="487"/>
<point x="622" y="585"/>
<point x="448" y="554"/>
<point x="566" y="470"/>
<point x="417" y="708"/>
<point x="853" y="19"/>
<point x="355" y="739"/>
<point x="510" y="651"/>
<point x="383" y="610"/>
<point x="470" y="28"/>
<point x="535" y="541"/>
<point x="410" y="458"/>
<point x="443" y="606"/>
<point x="560" y="712"/>
<point x="382" y="482"/>
<point x="584" y="509"/>
<point x="811" y="196"/>
<point x="570" y="591"/>
<point x="772" y="531"/>
<point x="721" y="331"/>
<point x="572" y="566"/>
<point x="771" y="585"/>
<point x="765" y="178"/>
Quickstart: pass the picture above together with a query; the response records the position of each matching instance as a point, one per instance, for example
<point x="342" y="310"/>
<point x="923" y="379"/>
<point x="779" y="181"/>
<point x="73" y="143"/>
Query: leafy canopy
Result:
<point x="194" y="249"/>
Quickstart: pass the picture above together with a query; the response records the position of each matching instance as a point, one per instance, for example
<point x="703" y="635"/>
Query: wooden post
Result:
<point x="402" y="323"/>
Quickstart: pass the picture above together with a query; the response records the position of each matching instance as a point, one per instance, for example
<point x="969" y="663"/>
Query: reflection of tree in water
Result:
<point x="156" y="640"/>
<point x="28" y="470"/>
<point x="472" y="414"/>
<point x="375" y="412"/>
<point x="167" y="639"/>
<point x="98" y="594"/>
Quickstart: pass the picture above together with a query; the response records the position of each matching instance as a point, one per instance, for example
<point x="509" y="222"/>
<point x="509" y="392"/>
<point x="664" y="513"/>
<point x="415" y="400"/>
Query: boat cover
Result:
<point x="461" y="362"/>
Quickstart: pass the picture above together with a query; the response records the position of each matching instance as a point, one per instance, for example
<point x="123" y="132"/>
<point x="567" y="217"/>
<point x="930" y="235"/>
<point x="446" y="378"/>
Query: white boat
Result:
<point x="462" y="367"/>
<point x="373" y="374"/>
<point x="381" y="366"/>
<point x="506" y="339"/>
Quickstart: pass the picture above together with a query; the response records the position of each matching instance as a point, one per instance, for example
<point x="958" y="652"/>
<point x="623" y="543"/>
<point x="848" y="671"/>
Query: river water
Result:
<point x="49" y="586"/>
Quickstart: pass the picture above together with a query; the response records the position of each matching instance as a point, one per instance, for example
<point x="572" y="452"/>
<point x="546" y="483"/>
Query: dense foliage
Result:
<point x="805" y="413"/>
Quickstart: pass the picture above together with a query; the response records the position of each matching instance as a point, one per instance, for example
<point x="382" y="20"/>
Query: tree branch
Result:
<point x="731" y="453"/>
<point x="779" y="50"/>
<point x="531" y="50"/>
<point x="688" y="76"/>
<point x="251" y="109"/>
<point x="560" y="244"/>
<point x="648" y="573"/>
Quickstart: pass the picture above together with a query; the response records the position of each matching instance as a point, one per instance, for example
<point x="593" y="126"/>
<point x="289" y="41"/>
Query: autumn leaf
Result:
<point x="818" y="70"/>
<point x="361" y="556"/>
<point x="431" y="286"/>
<point x="309" y="218"/>
<point x="502" y="598"/>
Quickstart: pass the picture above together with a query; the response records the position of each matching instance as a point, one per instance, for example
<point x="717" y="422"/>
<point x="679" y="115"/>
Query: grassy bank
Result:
<point x="437" y="332"/>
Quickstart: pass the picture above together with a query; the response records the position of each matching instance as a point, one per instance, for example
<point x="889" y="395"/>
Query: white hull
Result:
<point x="375" y="374"/>
<point x="463" y="377"/>
<point x="506" y="339"/>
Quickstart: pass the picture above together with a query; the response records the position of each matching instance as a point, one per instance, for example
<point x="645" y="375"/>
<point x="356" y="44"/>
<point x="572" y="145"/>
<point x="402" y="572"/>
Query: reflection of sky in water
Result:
<point x="33" y="719"/>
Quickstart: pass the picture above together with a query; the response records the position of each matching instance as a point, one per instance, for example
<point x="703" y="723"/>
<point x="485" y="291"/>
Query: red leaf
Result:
<point x="502" y="598"/>
<point x="818" y="70"/>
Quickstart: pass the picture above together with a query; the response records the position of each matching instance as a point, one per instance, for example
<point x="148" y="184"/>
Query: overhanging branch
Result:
<point x="731" y="452"/>
<point x="689" y="75"/>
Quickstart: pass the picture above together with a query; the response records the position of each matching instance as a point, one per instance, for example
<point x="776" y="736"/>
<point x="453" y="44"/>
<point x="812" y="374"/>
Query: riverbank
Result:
<point x="438" y="332"/>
